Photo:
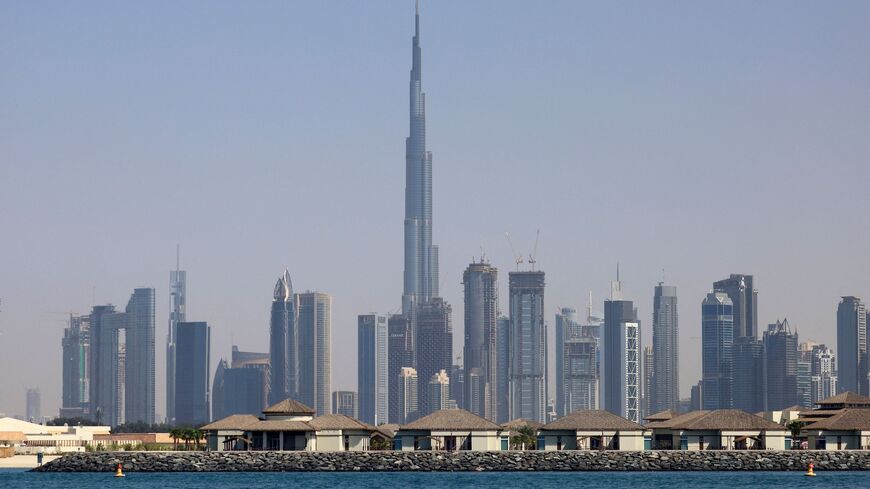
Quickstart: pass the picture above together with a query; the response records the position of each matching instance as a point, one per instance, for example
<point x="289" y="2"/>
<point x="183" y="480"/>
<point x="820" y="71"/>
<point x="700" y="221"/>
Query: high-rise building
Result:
<point x="439" y="391"/>
<point x="373" y="368"/>
<point x="346" y="403"/>
<point x="457" y="384"/>
<point x="528" y="346"/>
<point x="648" y="374"/>
<point x="804" y="384"/>
<point x="579" y="374"/>
<point x="218" y="391"/>
<point x="748" y="373"/>
<point x="421" y="257"/>
<point x="744" y="299"/>
<point x="780" y="366"/>
<point x="283" y="337"/>
<point x="503" y="404"/>
<point x="696" y="400"/>
<point x="823" y="373"/>
<point x="567" y="327"/>
<point x="621" y="392"/>
<point x="177" y="314"/>
<point x="434" y="346"/>
<point x="717" y="339"/>
<point x="241" y="359"/>
<point x="407" y="395"/>
<point x="664" y="389"/>
<point x="315" y="348"/>
<point x="480" y="352"/>
<point x="140" y="382"/>
<point x="76" y="376"/>
<point x="34" y="406"/>
<point x="852" y="346"/>
<point x="241" y="387"/>
<point x="400" y="347"/>
<point x="193" y="360"/>
<point x="105" y="398"/>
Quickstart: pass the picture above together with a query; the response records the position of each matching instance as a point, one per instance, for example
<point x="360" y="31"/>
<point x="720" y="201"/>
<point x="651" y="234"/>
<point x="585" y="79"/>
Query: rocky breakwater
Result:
<point x="390" y="461"/>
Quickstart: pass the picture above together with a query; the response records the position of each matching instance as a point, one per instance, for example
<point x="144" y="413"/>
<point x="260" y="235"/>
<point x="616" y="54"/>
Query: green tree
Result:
<point x="524" y="438"/>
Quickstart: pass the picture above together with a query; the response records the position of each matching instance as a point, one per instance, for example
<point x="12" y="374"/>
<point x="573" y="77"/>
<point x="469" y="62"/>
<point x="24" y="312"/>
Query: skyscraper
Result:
<point x="567" y="328"/>
<point x="407" y="395"/>
<point x="479" y="355"/>
<point x="503" y="405"/>
<point x="647" y="380"/>
<point x="346" y="403"/>
<point x="373" y="368"/>
<point x="528" y="346"/>
<point x="105" y="398"/>
<point x="315" y="350"/>
<point x="852" y="346"/>
<point x="34" y="406"/>
<point x="242" y="387"/>
<point x="421" y="257"/>
<point x="747" y="389"/>
<point x="283" y="337"/>
<point x="621" y="391"/>
<point x="439" y="391"/>
<point x="76" y="377"/>
<point x="780" y="366"/>
<point x="434" y="346"/>
<point x="664" y="389"/>
<point x="400" y="347"/>
<point x="823" y="373"/>
<point x="579" y="387"/>
<point x="193" y="360"/>
<point x="177" y="314"/>
<point x="717" y="339"/>
<point x="744" y="299"/>
<point x="140" y="381"/>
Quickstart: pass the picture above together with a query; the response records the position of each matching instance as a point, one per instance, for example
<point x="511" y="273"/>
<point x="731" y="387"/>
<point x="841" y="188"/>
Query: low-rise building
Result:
<point x="591" y="429"/>
<point x="451" y="429"/>
<point x="720" y="429"/>
<point x="841" y="422"/>
<point x="25" y="437"/>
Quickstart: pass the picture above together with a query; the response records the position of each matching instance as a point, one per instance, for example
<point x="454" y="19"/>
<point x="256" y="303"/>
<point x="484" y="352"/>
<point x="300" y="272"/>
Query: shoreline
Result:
<point x="439" y="461"/>
<point x="24" y="461"/>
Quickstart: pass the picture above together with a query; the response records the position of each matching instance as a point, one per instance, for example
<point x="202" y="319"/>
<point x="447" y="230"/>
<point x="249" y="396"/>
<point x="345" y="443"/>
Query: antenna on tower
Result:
<point x="532" y="259"/>
<point x="177" y="257"/>
<point x="518" y="258"/>
<point x="589" y="309"/>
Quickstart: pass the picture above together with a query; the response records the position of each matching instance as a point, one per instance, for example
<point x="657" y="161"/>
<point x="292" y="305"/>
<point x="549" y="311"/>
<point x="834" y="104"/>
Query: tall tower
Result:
<point x="664" y="389"/>
<point x="621" y="386"/>
<point x="433" y="346"/>
<point x="744" y="299"/>
<point x="421" y="258"/>
<point x="852" y="345"/>
<point x="717" y="361"/>
<point x="192" y="375"/>
<point x="315" y="350"/>
<point x="528" y="346"/>
<point x="177" y="314"/>
<point x="282" y="341"/>
<point x="373" y="368"/>
<point x="481" y="348"/>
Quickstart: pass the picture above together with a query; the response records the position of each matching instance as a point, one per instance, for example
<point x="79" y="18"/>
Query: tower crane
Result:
<point x="518" y="258"/>
<point x="532" y="260"/>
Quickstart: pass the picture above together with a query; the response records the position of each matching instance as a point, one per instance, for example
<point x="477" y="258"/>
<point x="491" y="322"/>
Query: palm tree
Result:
<point x="197" y="436"/>
<point x="175" y="433"/>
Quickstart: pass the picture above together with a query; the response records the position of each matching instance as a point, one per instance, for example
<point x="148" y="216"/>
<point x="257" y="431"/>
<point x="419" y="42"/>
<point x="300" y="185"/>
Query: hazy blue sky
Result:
<point x="703" y="138"/>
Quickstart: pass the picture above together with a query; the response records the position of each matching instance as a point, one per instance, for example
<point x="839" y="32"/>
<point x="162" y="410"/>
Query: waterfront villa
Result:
<point x="721" y="429"/>
<point x="288" y="426"/>
<point x="451" y="429"/>
<point x="841" y="422"/>
<point x="591" y="430"/>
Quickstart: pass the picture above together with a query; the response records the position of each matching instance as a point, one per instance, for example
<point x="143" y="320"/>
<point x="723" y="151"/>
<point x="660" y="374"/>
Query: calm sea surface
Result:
<point x="533" y="480"/>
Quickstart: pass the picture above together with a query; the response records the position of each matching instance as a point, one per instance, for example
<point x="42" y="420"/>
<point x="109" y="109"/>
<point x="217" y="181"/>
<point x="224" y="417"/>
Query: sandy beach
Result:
<point x="23" y="461"/>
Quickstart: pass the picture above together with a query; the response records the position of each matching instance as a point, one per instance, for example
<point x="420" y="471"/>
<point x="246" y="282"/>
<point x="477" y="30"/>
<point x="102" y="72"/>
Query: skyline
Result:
<point x="235" y="289"/>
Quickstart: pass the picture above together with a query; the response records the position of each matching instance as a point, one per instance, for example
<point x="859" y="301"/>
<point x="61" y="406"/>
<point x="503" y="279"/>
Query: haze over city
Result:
<point x="684" y="141"/>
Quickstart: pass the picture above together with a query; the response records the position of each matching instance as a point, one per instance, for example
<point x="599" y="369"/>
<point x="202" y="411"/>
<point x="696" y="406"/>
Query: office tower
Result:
<point x="140" y="384"/>
<point x="528" y="346"/>
<point x="241" y="387"/>
<point x="76" y="349"/>
<point x="852" y="346"/>
<point x="283" y="337"/>
<point x="34" y="406"/>
<point x="407" y="395"/>
<point x="696" y="399"/>
<point x="717" y="338"/>
<point x="421" y="257"/>
<point x="621" y="390"/>
<point x="648" y="373"/>
<point x="780" y="366"/>
<point x="192" y="353"/>
<point x="177" y="314"/>
<point x="747" y="389"/>
<point x="744" y="300"/>
<point x="439" y="391"/>
<point x="105" y="397"/>
<point x="346" y="403"/>
<point x="373" y="368"/>
<point x="434" y="346"/>
<point x="457" y="384"/>
<point x="240" y="359"/>
<point x="503" y="404"/>
<point x="567" y="328"/>
<point x="823" y="373"/>
<point x="218" y="391"/>
<point x="804" y="384"/>
<point x="315" y="347"/>
<point x="664" y="389"/>
<point x="400" y="347"/>
<point x="579" y="374"/>
<point x="480" y="281"/>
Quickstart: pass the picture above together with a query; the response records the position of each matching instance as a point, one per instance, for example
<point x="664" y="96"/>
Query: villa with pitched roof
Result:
<point x="841" y="422"/>
<point x="720" y="429"/>
<point x="451" y="429"/>
<point x="591" y="429"/>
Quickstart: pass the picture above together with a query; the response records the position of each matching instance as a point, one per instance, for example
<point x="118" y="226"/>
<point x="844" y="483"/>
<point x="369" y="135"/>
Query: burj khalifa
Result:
<point x="421" y="257"/>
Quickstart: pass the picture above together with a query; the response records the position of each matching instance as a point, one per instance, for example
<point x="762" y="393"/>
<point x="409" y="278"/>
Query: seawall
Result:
<point x="392" y="461"/>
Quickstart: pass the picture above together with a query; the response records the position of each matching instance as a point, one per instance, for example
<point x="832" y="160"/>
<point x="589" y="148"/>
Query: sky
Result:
<point x="681" y="139"/>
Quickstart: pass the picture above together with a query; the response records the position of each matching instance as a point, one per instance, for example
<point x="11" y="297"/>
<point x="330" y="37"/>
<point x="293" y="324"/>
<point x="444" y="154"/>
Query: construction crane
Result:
<point x="532" y="260"/>
<point x="518" y="257"/>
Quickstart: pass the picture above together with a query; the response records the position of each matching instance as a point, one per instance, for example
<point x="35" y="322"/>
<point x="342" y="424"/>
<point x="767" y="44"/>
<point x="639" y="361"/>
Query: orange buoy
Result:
<point x="810" y="472"/>
<point x="119" y="472"/>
